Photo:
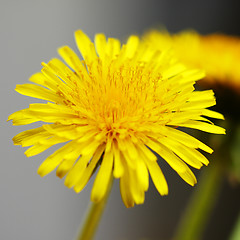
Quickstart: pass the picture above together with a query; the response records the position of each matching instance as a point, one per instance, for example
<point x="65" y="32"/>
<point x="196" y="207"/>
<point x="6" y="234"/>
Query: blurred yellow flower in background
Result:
<point x="117" y="108"/>
<point x="217" y="54"/>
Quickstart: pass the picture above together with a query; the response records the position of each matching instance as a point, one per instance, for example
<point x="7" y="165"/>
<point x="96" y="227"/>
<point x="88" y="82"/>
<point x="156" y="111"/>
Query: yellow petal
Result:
<point x="135" y="187"/>
<point x="89" y="169"/>
<point x="142" y="174"/>
<point x="23" y="117"/>
<point x="27" y="134"/>
<point x="179" y="149"/>
<point x="36" y="149"/>
<point x="188" y="177"/>
<point x="186" y="139"/>
<point x="85" y="46"/>
<point x="35" y="91"/>
<point x="103" y="177"/>
<point x="101" y="43"/>
<point x="203" y="127"/>
<point x="113" y="47"/>
<point x="64" y="73"/>
<point x="131" y="46"/>
<point x="83" y="180"/>
<point x="71" y="58"/>
<point x="212" y="114"/>
<point x="68" y="161"/>
<point x="118" y="169"/>
<point x="191" y="105"/>
<point x="55" y="159"/>
<point x="76" y="172"/>
<point x="177" y="164"/>
<point x="125" y="191"/>
<point x="193" y="75"/>
<point x="147" y="152"/>
<point x="157" y="177"/>
<point x="40" y="79"/>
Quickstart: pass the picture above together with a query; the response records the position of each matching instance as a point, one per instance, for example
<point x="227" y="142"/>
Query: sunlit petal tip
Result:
<point x="18" y="87"/>
<point x="28" y="153"/>
<point x="10" y="117"/>
<point x="60" y="174"/>
<point x="165" y="192"/>
<point x="42" y="172"/>
<point x="118" y="174"/>
<point x="206" y="164"/>
<point x="79" y="32"/>
<point x="68" y="184"/>
<point x="96" y="198"/>
<point x="62" y="48"/>
<point x="43" y="64"/>
<point x="129" y="205"/>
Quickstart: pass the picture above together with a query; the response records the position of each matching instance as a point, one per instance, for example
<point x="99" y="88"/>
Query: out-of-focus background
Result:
<point x="35" y="208"/>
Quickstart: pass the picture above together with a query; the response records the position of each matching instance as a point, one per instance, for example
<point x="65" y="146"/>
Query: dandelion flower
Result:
<point x="116" y="110"/>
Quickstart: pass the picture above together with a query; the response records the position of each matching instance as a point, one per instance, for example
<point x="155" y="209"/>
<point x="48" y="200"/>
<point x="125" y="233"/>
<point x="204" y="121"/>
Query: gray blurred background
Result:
<point x="35" y="208"/>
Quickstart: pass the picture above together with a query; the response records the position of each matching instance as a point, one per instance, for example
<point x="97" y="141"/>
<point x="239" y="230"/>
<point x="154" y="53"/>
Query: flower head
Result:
<point x="217" y="54"/>
<point x="117" y="109"/>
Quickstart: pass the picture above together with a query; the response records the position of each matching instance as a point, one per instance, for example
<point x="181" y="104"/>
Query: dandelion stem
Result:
<point x="93" y="217"/>
<point x="199" y="208"/>
<point x="236" y="231"/>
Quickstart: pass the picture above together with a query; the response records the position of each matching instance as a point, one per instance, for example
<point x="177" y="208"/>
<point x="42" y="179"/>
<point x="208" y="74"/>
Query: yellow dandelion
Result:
<point x="116" y="110"/>
<point x="217" y="54"/>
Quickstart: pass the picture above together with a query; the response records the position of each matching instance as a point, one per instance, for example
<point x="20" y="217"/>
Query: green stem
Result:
<point x="93" y="217"/>
<point x="199" y="209"/>
<point x="236" y="231"/>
